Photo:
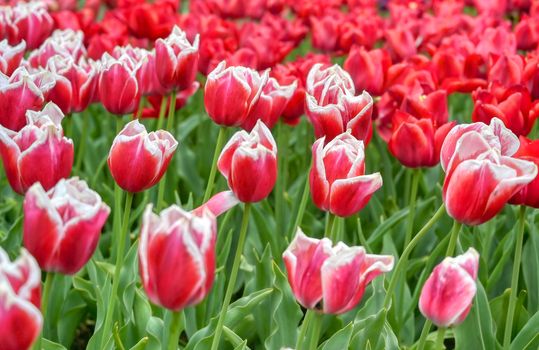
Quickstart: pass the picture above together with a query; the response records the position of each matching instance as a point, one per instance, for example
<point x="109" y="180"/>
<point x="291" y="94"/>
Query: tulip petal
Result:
<point x="348" y="196"/>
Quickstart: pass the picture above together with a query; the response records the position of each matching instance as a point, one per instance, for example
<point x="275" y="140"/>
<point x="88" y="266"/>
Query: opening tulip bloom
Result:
<point x="481" y="176"/>
<point x="118" y="87"/>
<point x="231" y="92"/>
<point x="446" y="297"/>
<point x="20" y="299"/>
<point x="39" y="152"/>
<point x="333" y="108"/>
<point x="528" y="195"/>
<point x="138" y="159"/>
<point x="11" y="56"/>
<point x="335" y="276"/>
<point x="337" y="179"/>
<point x="249" y="163"/>
<point x="177" y="256"/>
<point x="62" y="225"/>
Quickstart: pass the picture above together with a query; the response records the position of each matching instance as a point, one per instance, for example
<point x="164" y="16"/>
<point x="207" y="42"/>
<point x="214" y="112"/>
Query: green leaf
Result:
<point x="72" y="313"/>
<point x="341" y="339"/>
<point x="528" y="337"/>
<point x="141" y="345"/>
<point x="50" y="345"/>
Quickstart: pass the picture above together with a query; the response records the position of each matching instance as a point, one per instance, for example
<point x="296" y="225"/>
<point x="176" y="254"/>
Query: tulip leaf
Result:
<point x="528" y="337"/>
<point x="141" y="345"/>
<point x="341" y="339"/>
<point x="50" y="345"/>
<point x="530" y="267"/>
<point x="74" y="309"/>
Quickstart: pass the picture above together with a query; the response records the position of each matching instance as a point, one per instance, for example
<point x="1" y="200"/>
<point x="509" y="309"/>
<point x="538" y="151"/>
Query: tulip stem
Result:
<point x="83" y="141"/>
<point x="233" y="277"/>
<point x="171" y="112"/>
<point x="49" y="276"/>
<point x="280" y="186"/>
<point x="120" y="249"/>
<point x="453" y="238"/>
<point x="170" y="125"/>
<point x="424" y="333"/>
<point x="440" y="339"/>
<point x="301" y="208"/>
<point x="401" y="264"/>
<point x="513" y="296"/>
<point x="162" y="110"/>
<point x="176" y="326"/>
<point x="217" y="152"/>
<point x="416" y="176"/>
<point x="304" y="327"/>
<point x="316" y="325"/>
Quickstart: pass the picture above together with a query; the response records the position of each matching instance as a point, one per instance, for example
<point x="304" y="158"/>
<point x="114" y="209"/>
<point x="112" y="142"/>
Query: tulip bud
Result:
<point x="38" y="152"/>
<point x="230" y="93"/>
<point x="480" y="178"/>
<point x="62" y="225"/>
<point x="249" y="163"/>
<point x="337" y="179"/>
<point x="138" y="159"/>
<point x="335" y="276"/>
<point x="10" y="56"/>
<point x="368" y="69"/>
<point x="528" y="195"/>
<point x="118" y="86"/>
<point x="177" y="256"/>
<point x="20" y="299"/>
<point x="177" y="60"/>
<point x="446" y="297"/>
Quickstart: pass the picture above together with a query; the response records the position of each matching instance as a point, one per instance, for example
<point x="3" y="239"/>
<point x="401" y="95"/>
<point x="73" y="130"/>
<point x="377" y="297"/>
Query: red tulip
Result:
<point x="368" y="69"/>
<point x="480" y="179"/>
<point x="120" y="76"/>
<point x="65" y="43"/>
<point x="447" y="296"/>
<point x="10" y="56"/>
<point x="62" y="225"/>
<point x="527" y="33"/>
<point x="528" y="195"/>
<point x="38" y="152"/>
<point x="332" y="106"/>
<point x="335" y="276"/>
<point x="416" y="142"/>
<point x="270" y="105"/>
<point x="176" y="60"/>
<point x="152" y="20"/>
<point x="325" y="30"/>
<point x="249" y="163"/>
<point x="401" y="43"/>
<point x="230" y="93"/>
<point x="506" y="70"/>
<point x="337" y="178"/>
<point x="20" y="299"/>
<point x="138" y="159"/>
<point x="177" y="256"/>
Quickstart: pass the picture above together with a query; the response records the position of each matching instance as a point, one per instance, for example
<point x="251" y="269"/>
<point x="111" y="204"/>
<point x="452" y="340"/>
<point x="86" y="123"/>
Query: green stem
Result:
<point x="440" y="339"/>
<point x="514" y="278"/>
<point x="335" y="229"/>
<point x="424" y="333"/>
<point x="170" y="125"/>
<point x="316" y="325"/>
<point x="83" y="141"/>
<point x="416" y="176"/>
<point x="301" y="208"/>
<point x="304" y="327"/>
<point x="120" y="249"/>
<point x="140" y="107"/>
<point x="171" y="111"/>
<point x="49" y="276"/>
<point x="175" y="330"/>
<point x="162" y="110"/>
<point x="280" y="186"/>
<point x="233" y="277"/>
<point x="116" y="219"/>
<point x="329" y="225"/>
<point x="401" y="264"/>
<point x="217" y="152"/>
<point x="453" y="238"/>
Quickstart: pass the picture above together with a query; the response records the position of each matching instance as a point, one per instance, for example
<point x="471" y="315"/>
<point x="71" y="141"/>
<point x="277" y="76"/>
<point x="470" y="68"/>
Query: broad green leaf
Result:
<point x="528" y="337"/>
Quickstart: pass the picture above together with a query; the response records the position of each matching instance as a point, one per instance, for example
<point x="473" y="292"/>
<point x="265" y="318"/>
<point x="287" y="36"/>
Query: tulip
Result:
<point x="177" y="60"/>
<point x="20" y="298"/>
<point x="65" y="43"/>
<point x="506" y="70"/>
<point x="117" y="86"/>
<point x="177" y="256"/>
<point x="480" y="178"/>
<point x="230" y="93"/>
<point x="335" y="276"/>
<point x="249" y="163"/>
<point x="528" y="195"/>
<point x="10" y="56"/>
<point x="368" y="69"/>
<point x="446" y="297"/>
<point x="38" y="152"/>
<point x="337" y="179"/>
<point x="138" y="159"/>
<point x="32" y="23"/>
<point x="401" y="43"/>
<point x="62" y="225"/>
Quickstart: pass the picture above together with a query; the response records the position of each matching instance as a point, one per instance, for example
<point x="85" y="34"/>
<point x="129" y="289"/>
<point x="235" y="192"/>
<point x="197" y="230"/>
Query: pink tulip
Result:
<point x="30" y="22"/>
<point x="10" y="56"/>
<point x="118" y="86"/>
<point x="64" y="43"/>
<point x="62" y="225"/>
<point x="446" y="297"/>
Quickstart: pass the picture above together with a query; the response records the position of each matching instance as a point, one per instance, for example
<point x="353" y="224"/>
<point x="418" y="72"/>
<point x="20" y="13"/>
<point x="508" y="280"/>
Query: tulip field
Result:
<point x="269" y="174"/>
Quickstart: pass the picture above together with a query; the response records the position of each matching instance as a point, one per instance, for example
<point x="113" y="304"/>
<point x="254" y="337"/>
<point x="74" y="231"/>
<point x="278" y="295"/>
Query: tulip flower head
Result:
<point x="20" y="300"/>
<point x="528" y="195"/>
<point x="249" y="163"/>
<point x="10" y="56"/>
<point x="333" y="276"/>
<point x="446" y="297"/>
<point x="39" y="152"/>
<point x="62" y="226"/>
<point x="177" y="256"/>
<point x="138" y="159"/>
<point x="337" y="178"/>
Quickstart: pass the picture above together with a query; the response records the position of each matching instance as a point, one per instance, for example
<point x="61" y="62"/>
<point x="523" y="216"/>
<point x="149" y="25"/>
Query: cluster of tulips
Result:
<point x="384" y="71"/>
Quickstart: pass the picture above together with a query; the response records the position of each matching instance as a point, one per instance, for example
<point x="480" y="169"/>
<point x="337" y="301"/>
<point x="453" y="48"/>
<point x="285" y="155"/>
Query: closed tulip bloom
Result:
<point x="138" y="159"/>
<point x="447" y="296"/>
<point x="331" y="278"/>
<point x="118" y="87"/>
<point x="368" y="69"/>
<point x="32" y="23"/>
<point x="39" y="152"/>
<point x="64" y="43"/>
<point x="332" y="106"/>
<point x="20" y="299"/>
<point x="528" y="195"/>
<point x="62" y="226"/>
<point x="177" y="256"/>
<point x="231" y="92"/>
<point x="480" y="179"/>
<point x="337" y="178"/>
<point x="11" y="56"/>
<point x="177" y="60"/>
<point x="249" y="163"/>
